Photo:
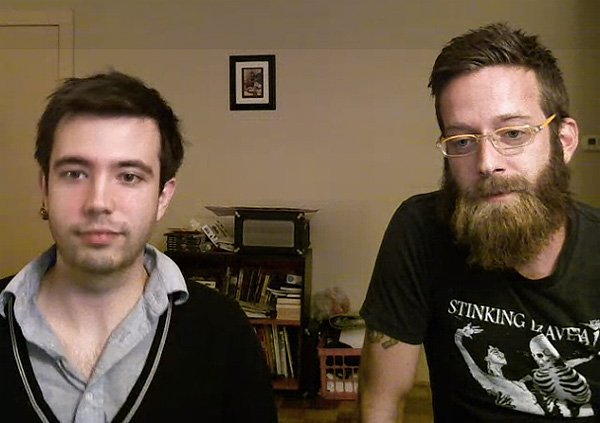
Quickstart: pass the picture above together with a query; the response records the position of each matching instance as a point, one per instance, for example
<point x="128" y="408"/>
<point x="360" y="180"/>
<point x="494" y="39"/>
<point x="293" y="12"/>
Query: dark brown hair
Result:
<point x="111" y="94"/>
<point x="499" y="44"/>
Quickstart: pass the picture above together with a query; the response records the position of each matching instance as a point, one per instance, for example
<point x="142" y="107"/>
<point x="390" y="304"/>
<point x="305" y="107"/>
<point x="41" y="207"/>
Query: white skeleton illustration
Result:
<point x="557" y="380"/>
<point x="557" y="389"/>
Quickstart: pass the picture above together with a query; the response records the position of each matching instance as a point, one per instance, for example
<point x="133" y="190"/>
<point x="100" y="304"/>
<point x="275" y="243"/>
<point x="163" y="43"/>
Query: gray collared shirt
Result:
<point x="69" y="395"/>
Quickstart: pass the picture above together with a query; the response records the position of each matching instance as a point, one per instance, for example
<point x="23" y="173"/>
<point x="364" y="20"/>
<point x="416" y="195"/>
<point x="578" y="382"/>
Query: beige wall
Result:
<point x="354" y="127"/>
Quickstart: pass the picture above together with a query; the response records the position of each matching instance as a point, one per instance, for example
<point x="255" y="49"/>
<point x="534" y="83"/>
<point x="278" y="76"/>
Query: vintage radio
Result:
<point x="268" y="230"/>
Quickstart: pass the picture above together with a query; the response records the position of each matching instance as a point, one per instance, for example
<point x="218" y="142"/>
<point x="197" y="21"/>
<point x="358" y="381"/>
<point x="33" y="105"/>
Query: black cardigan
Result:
<point x="212" y="369"/>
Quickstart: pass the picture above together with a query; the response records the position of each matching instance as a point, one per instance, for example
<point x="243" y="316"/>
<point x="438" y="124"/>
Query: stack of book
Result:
<point x="288" y="308"/>
<point x="278" y="348"/>
<point x="249" y="284"/>
<point x="256" y="310"/>
<point x="287" y="301"/>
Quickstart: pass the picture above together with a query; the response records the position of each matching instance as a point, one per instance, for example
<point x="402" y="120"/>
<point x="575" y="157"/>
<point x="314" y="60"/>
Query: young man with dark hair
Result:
<point x="102" y="326"/>
<point x="500" y="259"/>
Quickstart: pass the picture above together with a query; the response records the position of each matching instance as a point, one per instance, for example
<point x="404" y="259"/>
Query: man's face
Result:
<point x="483" y="101"/>
<point x="102" y="191"/>
<point x="507" y="206"/>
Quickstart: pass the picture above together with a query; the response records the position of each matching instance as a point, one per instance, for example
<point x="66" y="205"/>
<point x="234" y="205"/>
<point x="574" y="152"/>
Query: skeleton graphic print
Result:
<point x="555" y="388"/>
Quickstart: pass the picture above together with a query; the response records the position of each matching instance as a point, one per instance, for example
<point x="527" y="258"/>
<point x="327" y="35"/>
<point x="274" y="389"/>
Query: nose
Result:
<point x="98" y="197"/>
<point x="491" y="161"/>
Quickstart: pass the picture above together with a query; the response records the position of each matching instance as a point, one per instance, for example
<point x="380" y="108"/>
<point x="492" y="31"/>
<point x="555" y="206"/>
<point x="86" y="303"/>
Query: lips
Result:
<point x="98" y="237"/>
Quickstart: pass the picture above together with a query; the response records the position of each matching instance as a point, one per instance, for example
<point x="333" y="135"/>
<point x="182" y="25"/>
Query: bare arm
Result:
<point x="387" y="373"/>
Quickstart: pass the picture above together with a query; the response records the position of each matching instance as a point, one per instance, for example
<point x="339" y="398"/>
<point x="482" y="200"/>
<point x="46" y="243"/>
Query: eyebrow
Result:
<point x="466" y="129"/>
<point x="70" y="160"/>
<point x="80" y="161"/>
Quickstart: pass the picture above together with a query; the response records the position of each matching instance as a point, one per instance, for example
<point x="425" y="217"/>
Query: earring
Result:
<point x="44" y="212"/>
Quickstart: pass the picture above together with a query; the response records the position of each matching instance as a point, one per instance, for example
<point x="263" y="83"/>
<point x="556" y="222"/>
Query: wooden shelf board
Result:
<point x="279" y="322"/>
<point x="286" y="384"/>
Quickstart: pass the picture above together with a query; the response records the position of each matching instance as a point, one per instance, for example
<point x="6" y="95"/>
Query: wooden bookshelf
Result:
<point x="243" y="277"/>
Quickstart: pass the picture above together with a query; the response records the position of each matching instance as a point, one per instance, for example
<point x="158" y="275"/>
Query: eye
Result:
<point x="460" y="144"/>
<point x="513" y="135"/>
<point x="130" y="178"/>
<point x="73" y="174"/>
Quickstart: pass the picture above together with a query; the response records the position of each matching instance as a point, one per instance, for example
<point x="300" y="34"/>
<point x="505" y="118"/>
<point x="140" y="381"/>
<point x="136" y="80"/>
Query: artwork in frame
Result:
<point x="252" y="82"/>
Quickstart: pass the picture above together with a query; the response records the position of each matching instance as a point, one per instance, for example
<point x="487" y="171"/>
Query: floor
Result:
<point x="294" y="409"/>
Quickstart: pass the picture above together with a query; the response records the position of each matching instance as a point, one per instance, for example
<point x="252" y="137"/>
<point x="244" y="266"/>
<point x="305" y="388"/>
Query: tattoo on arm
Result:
<point x="374" y="337"/>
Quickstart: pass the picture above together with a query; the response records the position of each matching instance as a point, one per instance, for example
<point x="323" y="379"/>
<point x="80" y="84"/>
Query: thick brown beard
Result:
<point x="509" y="234"/>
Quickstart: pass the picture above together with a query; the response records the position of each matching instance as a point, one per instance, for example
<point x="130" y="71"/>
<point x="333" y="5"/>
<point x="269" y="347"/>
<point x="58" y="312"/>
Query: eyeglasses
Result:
<point x="508" y="141"/>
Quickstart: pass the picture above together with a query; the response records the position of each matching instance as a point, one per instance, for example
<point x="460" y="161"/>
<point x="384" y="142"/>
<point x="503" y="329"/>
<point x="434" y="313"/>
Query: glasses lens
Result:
<point x="513" y="137"/>
<point x="460" y="145"/>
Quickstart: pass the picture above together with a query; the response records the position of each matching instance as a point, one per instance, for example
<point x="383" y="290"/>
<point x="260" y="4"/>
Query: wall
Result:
<point x="354" y="129"/>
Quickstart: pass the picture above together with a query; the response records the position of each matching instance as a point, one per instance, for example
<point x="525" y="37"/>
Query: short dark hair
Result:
<point x="499" y="44"/>
<point x="111" y="94"/>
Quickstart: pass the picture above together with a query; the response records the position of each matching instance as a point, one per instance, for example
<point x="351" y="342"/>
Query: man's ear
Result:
<point x="164" y="198"/>
<point x="568" y="134"/>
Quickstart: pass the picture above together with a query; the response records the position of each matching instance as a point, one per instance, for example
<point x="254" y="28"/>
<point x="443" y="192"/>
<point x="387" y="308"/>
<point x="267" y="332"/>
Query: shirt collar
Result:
<point x="165" y="278"/>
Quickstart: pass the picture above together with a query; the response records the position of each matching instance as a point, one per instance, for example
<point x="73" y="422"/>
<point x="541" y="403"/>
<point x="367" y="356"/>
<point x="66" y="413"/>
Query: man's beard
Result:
<point x="509" y="234"/>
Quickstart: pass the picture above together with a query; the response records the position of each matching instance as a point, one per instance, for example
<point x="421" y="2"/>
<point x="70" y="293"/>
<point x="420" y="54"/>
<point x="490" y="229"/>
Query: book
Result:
<point x="206" y="282"/>
<point x="288" y="351"/>
<point x="288" y="300"/>
<point x="288" y="311"/>
<point x="255" y="310"/>
<point x="265" y="284"/>
<point x="239" y="284"/>
<point x="282" y="352"/>
<point x="276" y="349"/>
<point x="291" y="289"/>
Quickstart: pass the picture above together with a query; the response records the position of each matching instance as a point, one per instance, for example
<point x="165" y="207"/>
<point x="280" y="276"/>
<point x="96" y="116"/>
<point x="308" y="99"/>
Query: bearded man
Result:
<point x="502" y="246"/>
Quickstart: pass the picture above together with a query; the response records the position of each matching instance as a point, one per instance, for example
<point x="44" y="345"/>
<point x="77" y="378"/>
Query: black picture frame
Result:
<point x="252" y="82"/>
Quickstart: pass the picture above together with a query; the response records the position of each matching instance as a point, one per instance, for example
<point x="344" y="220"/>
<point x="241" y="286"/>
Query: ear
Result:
<point x="164" y="199"/>
<point x="569" y="137"/>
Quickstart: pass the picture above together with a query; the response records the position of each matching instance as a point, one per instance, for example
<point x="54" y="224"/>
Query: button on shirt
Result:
<point x="69" y="395"/>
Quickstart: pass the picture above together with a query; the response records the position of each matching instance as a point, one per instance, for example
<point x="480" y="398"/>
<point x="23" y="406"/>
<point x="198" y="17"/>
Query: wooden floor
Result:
<point x="294" y="409"/>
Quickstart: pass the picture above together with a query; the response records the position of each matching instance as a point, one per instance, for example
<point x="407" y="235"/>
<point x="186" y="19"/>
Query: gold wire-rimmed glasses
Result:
<point x="508" y="141"/>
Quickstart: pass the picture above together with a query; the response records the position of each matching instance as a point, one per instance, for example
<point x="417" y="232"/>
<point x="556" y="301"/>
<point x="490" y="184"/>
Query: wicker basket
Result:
<point x="339" y="372"/>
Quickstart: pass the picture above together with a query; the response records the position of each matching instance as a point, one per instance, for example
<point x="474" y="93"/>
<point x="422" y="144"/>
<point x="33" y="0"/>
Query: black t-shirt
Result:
<point x="499" y="347"/>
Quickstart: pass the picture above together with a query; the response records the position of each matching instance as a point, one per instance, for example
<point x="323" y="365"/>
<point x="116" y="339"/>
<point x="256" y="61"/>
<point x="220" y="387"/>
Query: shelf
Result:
<point x="286" y="384"/>
<point x="228" y="257"/>
<point x="279" y="322"/>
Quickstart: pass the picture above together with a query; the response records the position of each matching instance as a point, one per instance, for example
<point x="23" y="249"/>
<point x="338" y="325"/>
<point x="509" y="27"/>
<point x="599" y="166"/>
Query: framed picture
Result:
<point x="252" y="82"/>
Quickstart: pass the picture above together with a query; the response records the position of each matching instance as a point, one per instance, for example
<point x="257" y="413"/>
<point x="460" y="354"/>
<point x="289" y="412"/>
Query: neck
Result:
<point x="495" y="370"/>
<point x="545" y="262"/>
<point x="90" y="301"/>
<point x="83" y="309"/>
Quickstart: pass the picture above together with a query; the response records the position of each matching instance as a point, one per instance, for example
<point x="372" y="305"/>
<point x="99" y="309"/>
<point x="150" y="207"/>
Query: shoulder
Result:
<point x="419" y="215"/>
<point x="425" y="201"/>
<point x="4" y="281"/>
<point x="420" y="207"/>
<point x="206" y="303"/>
<point x="585" y="229"/>
<point x="587" y="212"/>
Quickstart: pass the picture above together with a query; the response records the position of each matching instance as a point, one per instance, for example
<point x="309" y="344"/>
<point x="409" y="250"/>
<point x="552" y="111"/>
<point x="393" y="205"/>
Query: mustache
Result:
<point x="496" y="185"/>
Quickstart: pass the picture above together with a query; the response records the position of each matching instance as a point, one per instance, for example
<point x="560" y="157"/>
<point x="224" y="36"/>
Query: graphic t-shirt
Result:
<point x="499" y="347"/>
